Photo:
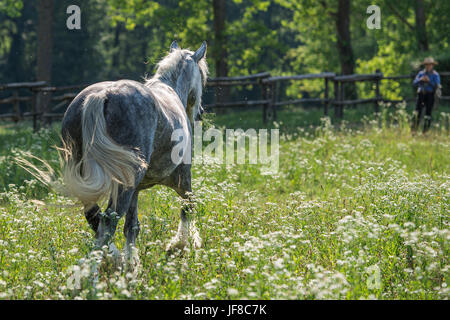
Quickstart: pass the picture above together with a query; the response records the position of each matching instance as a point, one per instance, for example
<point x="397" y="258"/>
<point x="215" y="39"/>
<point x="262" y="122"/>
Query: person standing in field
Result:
<point x="427" y="82"/>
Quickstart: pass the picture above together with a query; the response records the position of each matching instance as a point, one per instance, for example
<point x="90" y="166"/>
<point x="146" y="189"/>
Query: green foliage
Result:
<point x="125" y="39"/>
<point x="259" y="38"/>
<point x="345" y="202"/>
<point x="133" y="12"/>
<point x="11" y="8"/>
<point x="393" y="49"/>
<point x="390" y="62"/>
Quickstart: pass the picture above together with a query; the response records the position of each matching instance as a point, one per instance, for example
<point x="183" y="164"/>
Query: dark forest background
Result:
<point x="125" y="38"/>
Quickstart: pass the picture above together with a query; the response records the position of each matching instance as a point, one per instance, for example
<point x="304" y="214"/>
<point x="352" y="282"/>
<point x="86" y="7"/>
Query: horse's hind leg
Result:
<point x="92" y="217"/>
<point x="131" y="228"/>
<point x="107" y="226"/>
<point x="109" y="219"/>
<point x="106" y="229"/>
<point x="131" y="231"/>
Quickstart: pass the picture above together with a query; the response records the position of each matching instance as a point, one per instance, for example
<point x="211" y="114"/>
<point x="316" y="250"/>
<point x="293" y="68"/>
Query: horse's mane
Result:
<point x="167" y="67"/>
<point x="167" y="72"/>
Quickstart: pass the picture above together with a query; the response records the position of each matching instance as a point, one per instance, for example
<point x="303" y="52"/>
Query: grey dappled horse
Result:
<point x="117" y="141"/>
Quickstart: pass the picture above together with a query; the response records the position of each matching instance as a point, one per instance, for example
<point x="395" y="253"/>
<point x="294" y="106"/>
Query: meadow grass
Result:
<point x="355" y="212"/>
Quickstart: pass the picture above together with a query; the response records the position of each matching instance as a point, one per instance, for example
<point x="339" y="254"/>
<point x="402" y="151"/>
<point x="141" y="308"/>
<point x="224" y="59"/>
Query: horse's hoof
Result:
<point x="196" y="239"/>
<point x="112" y="250"/>
<point x="94" y="272"/>
<point x="197" y="243"/>
<point x="133" y="261"/>
<point x="175" y="246"/>
<point x="116" y="257"/>
<point x="95" y="258"/>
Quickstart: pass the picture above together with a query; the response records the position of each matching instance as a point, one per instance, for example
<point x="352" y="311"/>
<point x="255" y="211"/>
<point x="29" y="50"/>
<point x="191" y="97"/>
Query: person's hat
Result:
<point x="429" y="60"/>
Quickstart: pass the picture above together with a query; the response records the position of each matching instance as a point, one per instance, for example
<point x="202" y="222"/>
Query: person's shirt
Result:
<point x="430" y="86"/>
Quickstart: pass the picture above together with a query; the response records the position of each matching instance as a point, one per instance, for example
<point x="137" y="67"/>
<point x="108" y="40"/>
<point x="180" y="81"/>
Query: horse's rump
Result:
<point x="101" y="165"/>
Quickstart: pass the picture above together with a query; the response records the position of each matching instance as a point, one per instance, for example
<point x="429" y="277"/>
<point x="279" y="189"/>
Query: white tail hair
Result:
<point x="104" y="164"/>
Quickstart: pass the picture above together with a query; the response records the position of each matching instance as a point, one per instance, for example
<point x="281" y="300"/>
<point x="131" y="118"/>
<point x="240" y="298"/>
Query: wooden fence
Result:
<point x="37" y="90"/>
<point x="269" y="87"/>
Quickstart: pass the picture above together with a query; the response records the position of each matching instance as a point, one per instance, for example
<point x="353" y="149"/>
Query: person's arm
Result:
<point x="438" y="80"/>
<point x="438" y="91"/>
<point x="417" y="79"/>
<point x="435" y="80"/>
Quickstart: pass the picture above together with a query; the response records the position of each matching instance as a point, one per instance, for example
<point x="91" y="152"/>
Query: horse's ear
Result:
<point x="200" y="53"/>
<point x="174" y="45"/>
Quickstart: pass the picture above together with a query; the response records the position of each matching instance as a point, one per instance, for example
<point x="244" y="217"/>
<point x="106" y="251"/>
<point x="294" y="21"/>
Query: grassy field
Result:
<point x="355" y="212"/>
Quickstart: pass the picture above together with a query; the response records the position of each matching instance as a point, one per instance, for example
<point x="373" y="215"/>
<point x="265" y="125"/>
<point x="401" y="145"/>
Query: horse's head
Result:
<point x="186" y="72"/>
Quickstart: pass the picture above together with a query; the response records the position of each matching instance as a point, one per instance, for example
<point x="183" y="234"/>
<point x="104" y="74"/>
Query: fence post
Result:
<point x="377" y="92"/>
<point x="43" y="105"/>
<point x="342" y="98"/>
<point x="269" y="94"/>
<point x="325" y="107"/>
<point x="274" y="100"/>
<point x="336" y="98"/>
<point x="265" y="93"/>
<point x="16" y="104"/>
<point x="34" y="104"/>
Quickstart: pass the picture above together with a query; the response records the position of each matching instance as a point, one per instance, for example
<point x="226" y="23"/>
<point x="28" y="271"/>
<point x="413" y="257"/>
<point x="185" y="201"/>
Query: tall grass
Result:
<point x="355" y="212"/>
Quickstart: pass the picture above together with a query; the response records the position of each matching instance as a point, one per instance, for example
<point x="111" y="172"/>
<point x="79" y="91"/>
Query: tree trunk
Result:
<point x="14" y="69"/>
<point x="421" y="29"/>
<point x="144" y="42"/>
<point x="44" y="54"/>
<point x="344" y="44"/>
<point x="116" y="47"/>
<point x="220" y="49"/>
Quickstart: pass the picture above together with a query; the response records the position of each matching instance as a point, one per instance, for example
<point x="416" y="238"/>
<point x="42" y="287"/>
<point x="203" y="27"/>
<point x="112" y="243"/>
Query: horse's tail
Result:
<point x="104" y="165"/>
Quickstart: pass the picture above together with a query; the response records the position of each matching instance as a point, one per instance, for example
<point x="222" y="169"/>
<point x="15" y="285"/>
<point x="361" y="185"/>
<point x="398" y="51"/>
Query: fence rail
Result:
<point x="268" y="84"/>
<point x="325" y="75"/>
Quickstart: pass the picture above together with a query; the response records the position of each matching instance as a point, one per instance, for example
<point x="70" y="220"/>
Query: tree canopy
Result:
<point x="125" y="39"/>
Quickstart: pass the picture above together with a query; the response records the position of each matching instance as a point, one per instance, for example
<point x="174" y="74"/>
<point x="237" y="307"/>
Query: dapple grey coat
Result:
<point x="118" y="140"/>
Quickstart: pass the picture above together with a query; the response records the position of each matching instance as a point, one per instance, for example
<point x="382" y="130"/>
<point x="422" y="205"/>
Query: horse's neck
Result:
<point x="180" y="86"/>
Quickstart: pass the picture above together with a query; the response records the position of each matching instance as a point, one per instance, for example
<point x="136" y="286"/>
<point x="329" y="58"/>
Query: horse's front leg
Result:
<point x="180" y="240"/>
<point x="186" y="226"/>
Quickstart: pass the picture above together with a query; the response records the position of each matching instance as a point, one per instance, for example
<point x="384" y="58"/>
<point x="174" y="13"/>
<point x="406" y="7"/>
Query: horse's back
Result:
<point x="71" y="122"/>
<point x="128" y="110"/>
<point x="138" y="117"/>
<point x="130" y="114"/>
<point x="123" y="93"/>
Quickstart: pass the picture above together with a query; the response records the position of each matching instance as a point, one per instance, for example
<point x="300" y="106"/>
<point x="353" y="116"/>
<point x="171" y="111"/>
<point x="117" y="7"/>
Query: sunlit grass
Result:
<point x="345" y="202"/>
